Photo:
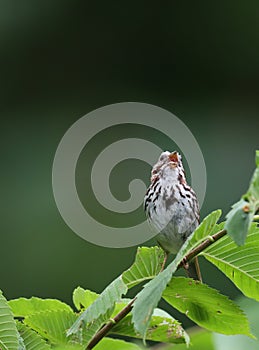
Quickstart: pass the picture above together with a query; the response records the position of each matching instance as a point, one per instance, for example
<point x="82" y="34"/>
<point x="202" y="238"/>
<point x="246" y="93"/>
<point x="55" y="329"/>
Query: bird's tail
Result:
<point x="193" y="270"/>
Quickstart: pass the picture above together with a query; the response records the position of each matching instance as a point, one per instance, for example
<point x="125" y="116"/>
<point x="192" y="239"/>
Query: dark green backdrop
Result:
<point x="62" y="59"/>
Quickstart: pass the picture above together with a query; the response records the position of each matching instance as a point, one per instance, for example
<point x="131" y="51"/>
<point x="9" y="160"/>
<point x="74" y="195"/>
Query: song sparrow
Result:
<point x="172" y="207"/>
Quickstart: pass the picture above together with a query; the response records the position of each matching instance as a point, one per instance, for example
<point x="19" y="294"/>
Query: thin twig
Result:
<point x="205" y="244"/>
<point x="108" y="326"/>
<point x="126" y="310"/>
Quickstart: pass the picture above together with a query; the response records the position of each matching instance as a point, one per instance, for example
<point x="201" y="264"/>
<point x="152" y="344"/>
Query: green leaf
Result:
<point x="31" y="340"/>
<point x="90" y="329"/>
<point x="242" y="213"/>
<point x="204" y="230"/>
<point x="149" y="297"/>
<point x="23" y="307"/>
<point x="8" y="331"/>
<point x="52" y="325"/>
<point x="147" y="265"/>
<point x="115" y="344"/>
<point x="253" y="191"/>
<point x="239" y="220"/>
<point x="163" y="328"/>
<point x="103" y="305"/>
<point x="69" y="347"/>
<point x="83" y="298"/>
<point x="239" y="264"/>
<point x="201" y="339"/>
<point x="257" y="158"/>
<point x="21" y="345"/>
<point x="206" y="306"/>
<point x="241" y="342"/>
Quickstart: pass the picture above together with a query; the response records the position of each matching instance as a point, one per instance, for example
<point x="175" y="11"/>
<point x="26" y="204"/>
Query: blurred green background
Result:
<point x="63" y="59"/>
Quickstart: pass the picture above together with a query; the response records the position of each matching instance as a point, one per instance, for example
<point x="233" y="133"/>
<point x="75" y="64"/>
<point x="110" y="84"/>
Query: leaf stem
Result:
<point x="126" y="310"/>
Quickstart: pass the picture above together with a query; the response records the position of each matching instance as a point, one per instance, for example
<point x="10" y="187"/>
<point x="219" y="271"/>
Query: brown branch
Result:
<point x="205" y="244"/>
<point x="126" y="310"/>
<point x="108" y="326"/>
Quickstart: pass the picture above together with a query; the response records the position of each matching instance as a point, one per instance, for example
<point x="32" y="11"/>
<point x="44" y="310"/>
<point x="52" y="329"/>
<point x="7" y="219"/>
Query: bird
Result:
<point x="172" y="208"/>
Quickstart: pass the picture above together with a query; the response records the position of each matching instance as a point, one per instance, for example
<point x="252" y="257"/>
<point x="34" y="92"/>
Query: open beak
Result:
<point x="173" y="157"/>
